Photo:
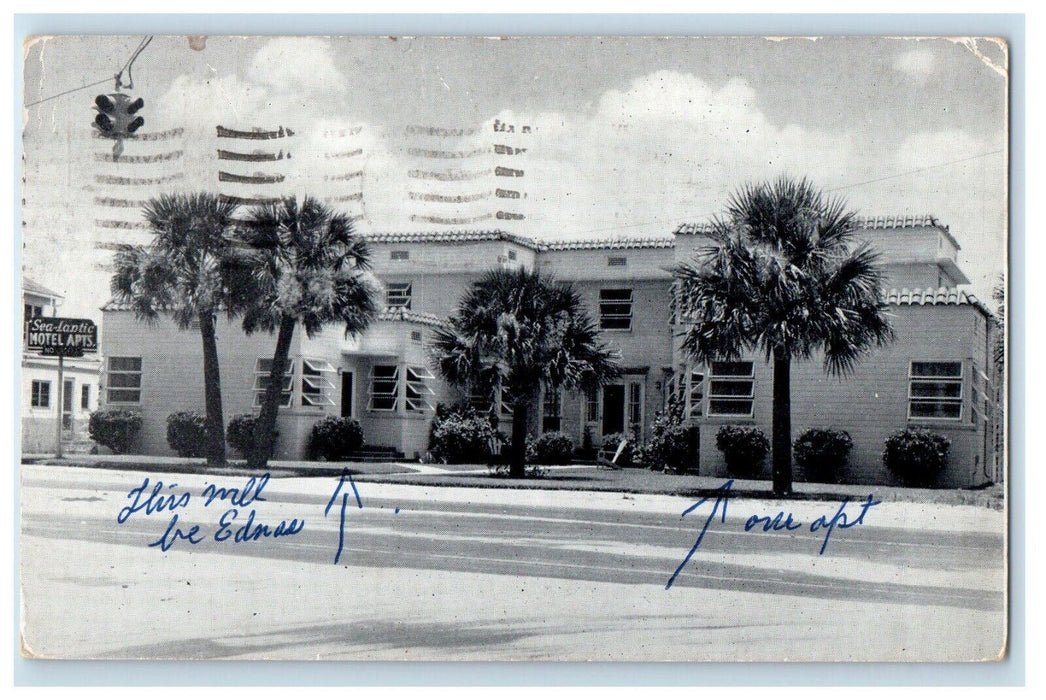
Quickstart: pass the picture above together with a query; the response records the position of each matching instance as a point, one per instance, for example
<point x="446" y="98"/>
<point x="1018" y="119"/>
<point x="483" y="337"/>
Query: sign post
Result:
<point x="52" y="336"/>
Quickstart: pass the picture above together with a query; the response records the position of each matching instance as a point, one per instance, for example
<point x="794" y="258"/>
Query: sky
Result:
<point x="630" y="136"/>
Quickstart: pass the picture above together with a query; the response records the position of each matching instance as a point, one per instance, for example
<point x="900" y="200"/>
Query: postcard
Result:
<point x="514" y="349"/>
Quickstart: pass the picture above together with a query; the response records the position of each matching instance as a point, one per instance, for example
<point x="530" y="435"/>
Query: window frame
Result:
<point x="696" y="392"/>
<point x="394" y="394"/>
<point x="416" y="387"/>
<point x="605" y="316"/>
<point x="403" y="291"/>
<point x="634" y="400"/>
<point x="262" y="369"/>
<point x="551" y="399"/>
<point x="317" y="391"/>
<point x="925" y="379"/>
<point x="40" y="389"/>
<point x="110" y="372"/>
<point x="85" y="397"/>
<point x="711" y="396"/>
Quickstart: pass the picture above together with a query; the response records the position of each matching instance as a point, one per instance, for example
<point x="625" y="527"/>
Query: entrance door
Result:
<point x="613" y="409"/>
<point x="346" y="394"/>
<point x="67" y="403"/>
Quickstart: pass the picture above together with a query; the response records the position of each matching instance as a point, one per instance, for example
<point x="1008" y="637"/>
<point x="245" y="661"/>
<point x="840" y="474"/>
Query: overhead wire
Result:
<point x="126" y="67"/>
<point x="831" y="189"/>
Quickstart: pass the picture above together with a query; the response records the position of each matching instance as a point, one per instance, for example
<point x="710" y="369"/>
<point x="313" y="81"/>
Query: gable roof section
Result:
<point x="34" y="287"/>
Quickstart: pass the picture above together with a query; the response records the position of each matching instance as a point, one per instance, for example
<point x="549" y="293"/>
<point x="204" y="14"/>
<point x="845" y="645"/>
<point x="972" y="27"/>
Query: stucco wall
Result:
<point x="873" y="402"/>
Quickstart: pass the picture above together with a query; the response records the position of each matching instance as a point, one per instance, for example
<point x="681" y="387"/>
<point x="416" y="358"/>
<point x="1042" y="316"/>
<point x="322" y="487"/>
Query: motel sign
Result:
<point x="61" y="337"/>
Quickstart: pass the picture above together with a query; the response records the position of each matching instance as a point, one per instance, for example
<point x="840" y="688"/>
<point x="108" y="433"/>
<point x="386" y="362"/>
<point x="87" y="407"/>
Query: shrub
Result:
<point x="115" y="429"/>
<point x="916" y="456"/>
<point x="553" y="448"/>
<point x="673" y="444"/>
<point x="240" y="433"/>
<point x="822" y="453"/>
<point x="631" y="456"/>
<point x="459" y="435"/>
<point x="744" y="449"/>
<point x="187" y="433"/>
<point x="335" y="438"/>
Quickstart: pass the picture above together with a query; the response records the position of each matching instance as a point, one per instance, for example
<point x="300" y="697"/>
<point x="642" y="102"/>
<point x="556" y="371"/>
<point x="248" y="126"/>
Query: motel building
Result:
<point x="80" y="377"/>
<point x="937" y="374"/>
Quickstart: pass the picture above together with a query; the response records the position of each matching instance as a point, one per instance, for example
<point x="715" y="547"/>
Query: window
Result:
<point x="317" y="389"/>
<point x="397" y="294"/>
<point x="730" y="389"/>
<point x="400" y="255"/>
<point x="635" y="408"/>
<point x="384" y="388"/>
<point x="617" y="261"/>
<point x="262" y="369"/>
<point x="551" y="410"/>
<point x="85" y="397"/>
<point x="32" y="311"/>
<point x="935" y="390"/>
<point x="415" y="337"/>
<point x="41" y="394"/>
<point x="696" y="395"/>
<point x="512" y="255"/>
<point x="418" y="389"/>
<point x="123" y="381"/>
<point x="483" y="398"/>
<point x="615" y="309"/>
<point x="591" y="405"/>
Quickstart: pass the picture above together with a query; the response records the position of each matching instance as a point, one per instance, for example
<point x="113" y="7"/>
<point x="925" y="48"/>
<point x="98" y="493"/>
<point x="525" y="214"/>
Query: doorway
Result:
<point x="68" y="386"/>
<point x="346" y="394"/>
<point x="613" y="409"/>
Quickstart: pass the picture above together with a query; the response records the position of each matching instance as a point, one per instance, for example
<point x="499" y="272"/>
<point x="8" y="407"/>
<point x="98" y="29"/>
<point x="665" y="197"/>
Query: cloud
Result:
<point x="917" y="63"/>
<point x="667" y="148"/>
<point x="298" y="65"/>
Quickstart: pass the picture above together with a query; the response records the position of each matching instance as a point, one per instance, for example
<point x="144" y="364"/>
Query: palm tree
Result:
<point x="184" y="273"/>
<point x="308" y="268"/>
<point x="783" y="276"/>
<point x="519" y="330"/>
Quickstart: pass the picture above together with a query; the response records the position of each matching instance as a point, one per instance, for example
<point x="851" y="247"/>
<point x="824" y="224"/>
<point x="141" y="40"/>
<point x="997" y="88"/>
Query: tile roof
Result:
<point x="469" y="236"/>
<point x="463" y="236"/>
<point x="398" y="313"/>
<point x="614" y="243"/>
<point x="863" y="222"/>
<point x="34" y="287"/>
<point x="942" y="296"/>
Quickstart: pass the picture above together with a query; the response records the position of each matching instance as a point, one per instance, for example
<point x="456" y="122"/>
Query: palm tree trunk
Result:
<point x="265" y="427"/>
<point x="212" y="392"/>
<point x="518" y="463"/>
<point x="782" y="424"/>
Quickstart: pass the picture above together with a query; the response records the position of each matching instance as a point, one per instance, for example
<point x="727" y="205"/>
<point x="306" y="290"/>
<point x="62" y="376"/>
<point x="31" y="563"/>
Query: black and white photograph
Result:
<point x="573" y="348"/>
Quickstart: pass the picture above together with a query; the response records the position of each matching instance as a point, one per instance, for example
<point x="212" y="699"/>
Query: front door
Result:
<point x="613" y="409"/>
<point x="346" y="394"/>
<point x="67" y="403"/>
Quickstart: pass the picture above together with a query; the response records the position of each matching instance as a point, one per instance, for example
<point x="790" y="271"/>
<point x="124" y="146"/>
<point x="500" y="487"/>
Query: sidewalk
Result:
<point x="561" y="478"/>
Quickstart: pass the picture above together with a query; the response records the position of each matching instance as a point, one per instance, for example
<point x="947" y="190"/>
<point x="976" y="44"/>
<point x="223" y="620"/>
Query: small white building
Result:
<point x="40" y="385"/>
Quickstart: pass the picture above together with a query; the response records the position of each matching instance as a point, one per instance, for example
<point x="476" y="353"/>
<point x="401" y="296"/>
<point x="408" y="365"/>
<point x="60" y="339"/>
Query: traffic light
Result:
<point x="116" y="118"/>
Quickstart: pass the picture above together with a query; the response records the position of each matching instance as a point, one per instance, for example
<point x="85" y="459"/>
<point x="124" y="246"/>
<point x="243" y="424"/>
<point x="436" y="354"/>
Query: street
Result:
<point x="491" y="574"/>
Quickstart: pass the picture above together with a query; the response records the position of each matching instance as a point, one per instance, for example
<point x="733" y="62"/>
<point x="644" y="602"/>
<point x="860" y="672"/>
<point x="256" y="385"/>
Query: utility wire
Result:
<point x="832" y="189"/>
<point x="82" y="87"/>
<point x="912" y="172"/>
<point x="141" y="47"/>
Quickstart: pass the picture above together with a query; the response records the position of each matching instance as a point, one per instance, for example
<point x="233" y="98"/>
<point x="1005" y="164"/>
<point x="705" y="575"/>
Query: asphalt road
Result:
<point x="475" y="574"/>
